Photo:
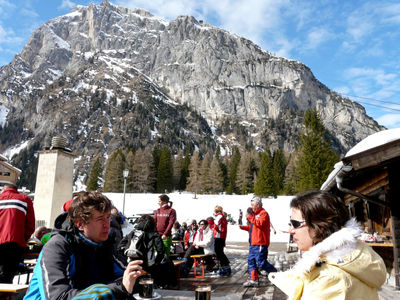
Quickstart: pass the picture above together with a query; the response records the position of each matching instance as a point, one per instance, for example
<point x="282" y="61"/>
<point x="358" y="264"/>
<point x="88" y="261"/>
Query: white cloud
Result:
<point x="8" y="36"/>
<point x="379" y="76"/>
<point x="66" y="4"/>
<point x="29" y="13"/>
<point x="389" y="120"/>
<point x="163" y="8"/>
<point x="3" y="34"/>
<point x="344" y="90"/>
<point x="316" y="37"/>
<point x="5" y="7"/>
<point x="253" y="19"/>
<point x="389" y="13"/>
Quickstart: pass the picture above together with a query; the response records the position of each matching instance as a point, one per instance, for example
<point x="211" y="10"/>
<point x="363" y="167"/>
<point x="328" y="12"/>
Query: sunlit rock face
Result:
<point x="106" y="76"/>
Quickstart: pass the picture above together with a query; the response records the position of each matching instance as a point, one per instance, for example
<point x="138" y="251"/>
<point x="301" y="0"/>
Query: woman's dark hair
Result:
<point x="164" y="198"/>
<point x="147" y="218"/>
<point x="323" y="212"/>
<point x="85" y="203"/>
<point x="203" y="221"/>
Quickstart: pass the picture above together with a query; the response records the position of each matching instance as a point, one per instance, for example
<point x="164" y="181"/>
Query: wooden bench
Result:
<point x="173" y="255"/>
<point x="177" y="265"/>
<point x="10" y="291"/>
<point x="199" y="259"/>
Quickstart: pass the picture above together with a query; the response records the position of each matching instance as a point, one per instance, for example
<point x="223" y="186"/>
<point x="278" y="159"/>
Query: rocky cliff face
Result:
<point x="106" y="76"/>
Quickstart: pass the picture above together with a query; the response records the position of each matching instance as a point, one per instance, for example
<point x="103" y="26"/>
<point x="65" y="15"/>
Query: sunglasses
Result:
<point x="202" y="224"/>
<point x="297" y="224"/>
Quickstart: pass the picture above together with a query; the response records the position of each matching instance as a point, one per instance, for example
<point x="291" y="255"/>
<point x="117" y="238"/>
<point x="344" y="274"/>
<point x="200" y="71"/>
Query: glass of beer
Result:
<point x="146" y="288"/>
<point x="203" y="292"/>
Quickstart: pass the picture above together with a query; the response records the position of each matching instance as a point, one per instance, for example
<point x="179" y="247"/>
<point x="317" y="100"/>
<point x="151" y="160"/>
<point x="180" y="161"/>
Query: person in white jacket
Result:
<point x="202" y="244"/>
<point x="335" y="264"/>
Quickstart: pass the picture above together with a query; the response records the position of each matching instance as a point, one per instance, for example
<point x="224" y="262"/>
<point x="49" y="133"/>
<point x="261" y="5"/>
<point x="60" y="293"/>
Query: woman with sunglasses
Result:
<point x="335" y="264"/>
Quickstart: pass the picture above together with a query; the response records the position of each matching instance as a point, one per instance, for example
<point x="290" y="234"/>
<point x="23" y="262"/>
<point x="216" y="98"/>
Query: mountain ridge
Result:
<point x="112" y="73"/>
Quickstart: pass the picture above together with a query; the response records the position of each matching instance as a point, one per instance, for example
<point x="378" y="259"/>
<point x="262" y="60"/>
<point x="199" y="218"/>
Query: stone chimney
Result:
<point x="53" y="181"/>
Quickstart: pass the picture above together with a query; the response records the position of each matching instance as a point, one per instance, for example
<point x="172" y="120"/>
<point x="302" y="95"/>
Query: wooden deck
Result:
<point x="234" y="283"/>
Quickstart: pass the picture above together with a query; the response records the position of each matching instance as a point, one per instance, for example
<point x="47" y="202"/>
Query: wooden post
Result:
<point x="394" y="190"/>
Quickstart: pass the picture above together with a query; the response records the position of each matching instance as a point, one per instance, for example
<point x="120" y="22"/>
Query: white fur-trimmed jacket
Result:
<point x="339" y="267"/>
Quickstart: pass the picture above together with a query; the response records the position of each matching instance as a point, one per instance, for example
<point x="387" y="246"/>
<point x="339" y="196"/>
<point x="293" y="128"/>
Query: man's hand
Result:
<point x="132" y="272"/>
<point x="163" y="236"/>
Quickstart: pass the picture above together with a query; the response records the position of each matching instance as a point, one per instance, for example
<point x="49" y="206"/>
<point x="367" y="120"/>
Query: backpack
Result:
<point x="137" y="247"/>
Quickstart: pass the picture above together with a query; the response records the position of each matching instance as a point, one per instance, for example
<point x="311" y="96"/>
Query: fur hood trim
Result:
<point x="338" y="244"/>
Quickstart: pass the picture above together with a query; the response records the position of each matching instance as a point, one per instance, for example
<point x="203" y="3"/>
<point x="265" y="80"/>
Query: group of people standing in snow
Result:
<point x="83" y="260"/>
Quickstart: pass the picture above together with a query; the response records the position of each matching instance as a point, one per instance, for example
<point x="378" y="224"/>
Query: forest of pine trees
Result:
<point x="264" y="173"/>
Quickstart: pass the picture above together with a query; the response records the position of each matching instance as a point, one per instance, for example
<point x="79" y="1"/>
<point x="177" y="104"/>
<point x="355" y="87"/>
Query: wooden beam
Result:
<point x="374" y="156"/>
<point x="378" y="181"/>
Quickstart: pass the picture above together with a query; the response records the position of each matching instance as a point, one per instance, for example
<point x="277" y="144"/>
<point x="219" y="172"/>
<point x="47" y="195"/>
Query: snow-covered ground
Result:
<point x="202" y="207"/>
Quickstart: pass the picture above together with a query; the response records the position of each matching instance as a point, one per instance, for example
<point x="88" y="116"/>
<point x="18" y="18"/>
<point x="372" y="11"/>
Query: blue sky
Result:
<point x="350" y="46"/>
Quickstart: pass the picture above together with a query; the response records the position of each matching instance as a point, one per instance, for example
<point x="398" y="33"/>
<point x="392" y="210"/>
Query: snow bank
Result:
<point x="202" y="207"/>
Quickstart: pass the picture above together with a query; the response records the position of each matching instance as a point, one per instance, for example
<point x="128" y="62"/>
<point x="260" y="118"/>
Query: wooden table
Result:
<point x="380" y="244"/>
<point x="189" y="295"/>
<point x="31" y="255"/>
<point x="199" y="260"/>
<point x="30" y="262"/>
<point x="11" y="291"/>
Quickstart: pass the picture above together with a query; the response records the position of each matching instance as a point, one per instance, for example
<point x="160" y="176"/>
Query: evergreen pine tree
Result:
<point x="94" y="176"/>
<point x="177" y="167"/>
<point x="290" y="175"/>
<point x="194" y="181"/>
<point x="245" y="176"/>
<point x="156" y="159"/>
<point x="233" y="168"/>
<point x="205" y="174"/>
<point x="164" y="172"/>
<point x="223" y="167"/>
<point x="136" y="180"/>
<point x="132" y="177"/>
<point x="146" y="170"/>
<point x="255" y="162"/>
<point x="316" y="157"/>
<point x="278" y="170"/>
<point x="216" y="176"/>
<point x="265" y="181"/>
<point x="114" y="181"/>
<point x="184" y="171"/>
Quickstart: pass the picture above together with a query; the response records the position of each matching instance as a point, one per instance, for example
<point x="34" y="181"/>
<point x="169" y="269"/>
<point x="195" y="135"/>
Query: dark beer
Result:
<point x="203" y="293"/>
<point x="146" y="288"/>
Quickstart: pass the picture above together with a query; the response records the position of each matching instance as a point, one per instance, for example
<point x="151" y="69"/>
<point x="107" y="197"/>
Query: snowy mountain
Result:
<point x="107" y="77"/>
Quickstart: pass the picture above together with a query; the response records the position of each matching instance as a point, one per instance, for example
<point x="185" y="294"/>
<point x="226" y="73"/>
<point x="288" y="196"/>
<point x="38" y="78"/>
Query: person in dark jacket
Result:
<point x="165" y="218"/>
<point x="115" y="227"/>
<point x="145" y="243"/>
<point x="17" y="220"/>
<point x="78" y="261"/>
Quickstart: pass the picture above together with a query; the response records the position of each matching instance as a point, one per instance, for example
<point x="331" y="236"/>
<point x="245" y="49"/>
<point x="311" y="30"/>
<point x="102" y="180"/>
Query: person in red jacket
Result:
<point x="17" y="220"/>
<point x="165" y="218"/>
<point x="220" y="230"/>
<point x="259" y="229"/>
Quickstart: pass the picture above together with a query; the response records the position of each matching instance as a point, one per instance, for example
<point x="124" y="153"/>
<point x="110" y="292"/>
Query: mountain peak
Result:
<point x="111" y="77"/>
